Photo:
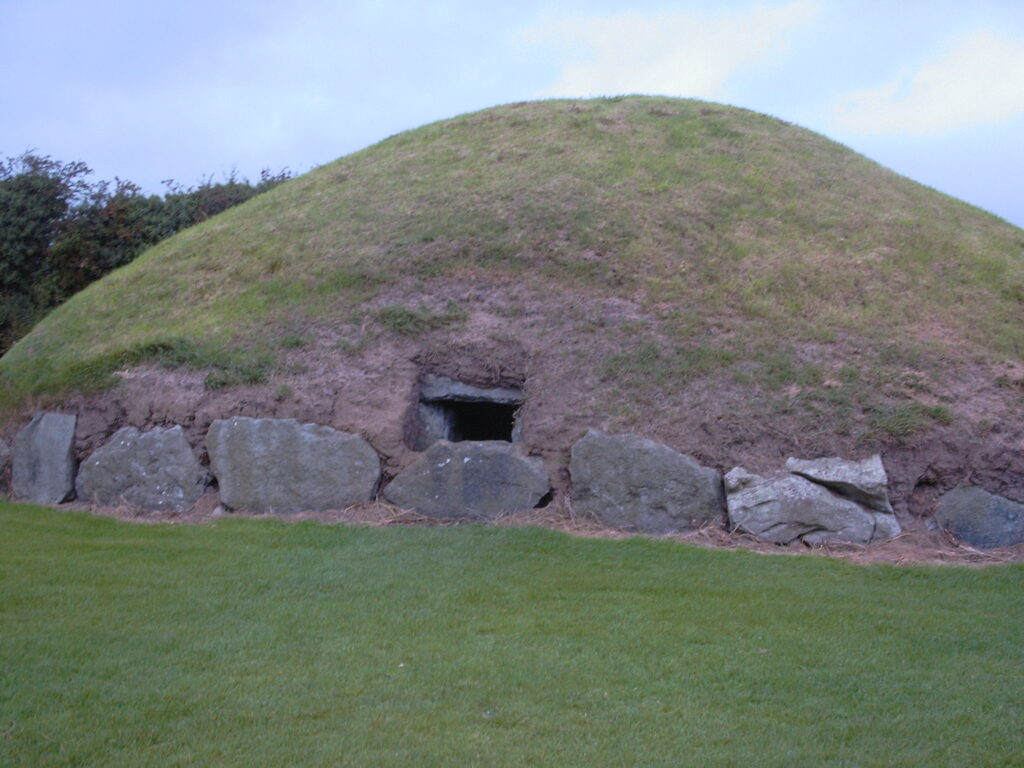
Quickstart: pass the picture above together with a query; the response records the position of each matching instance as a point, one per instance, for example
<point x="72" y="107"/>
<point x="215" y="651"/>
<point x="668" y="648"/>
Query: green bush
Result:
<point x="60" y="232"/>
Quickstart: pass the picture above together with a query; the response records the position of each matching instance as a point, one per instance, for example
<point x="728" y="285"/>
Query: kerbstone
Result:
<point x="785" y="507"/>
<point x="864" y="481"/>
<point x="480" y="480"/>
<point x="636" y="484"/>
<point x="980" y="518"/>
<point x="5" y="462"/>
<point x="280" y="465"/>
<point x="154" y="470"/>
<point x="42" y="459"/>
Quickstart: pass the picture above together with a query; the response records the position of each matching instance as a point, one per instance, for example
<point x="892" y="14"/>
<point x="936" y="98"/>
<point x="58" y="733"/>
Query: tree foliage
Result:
<point x="59" y="231"/>
<point x="36" y="195"/>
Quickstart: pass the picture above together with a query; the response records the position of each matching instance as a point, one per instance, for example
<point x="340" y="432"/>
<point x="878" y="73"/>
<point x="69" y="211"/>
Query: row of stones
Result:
<point x="634" y="483"/>
<point x="625" y="481"/>
<point x="268" y="465"/>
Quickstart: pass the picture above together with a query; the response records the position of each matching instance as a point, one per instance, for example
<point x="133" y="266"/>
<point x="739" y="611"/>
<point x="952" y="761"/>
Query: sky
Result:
<point x="196" y="89"/>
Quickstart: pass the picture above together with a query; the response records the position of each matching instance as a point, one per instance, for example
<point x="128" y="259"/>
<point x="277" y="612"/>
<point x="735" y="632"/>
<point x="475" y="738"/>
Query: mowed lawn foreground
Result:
<point x="259" y="643"/>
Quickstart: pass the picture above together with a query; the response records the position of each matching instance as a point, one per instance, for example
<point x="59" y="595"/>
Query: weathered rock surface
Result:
<point x="476" y="480"/>
<point x="886" y="526"/>
<point x="5" y="463"/>
<point x="434" y="387"/>
<point x="980" y="518"/>
<point x="42" y="462"/>
<point x="785" y="507"/>
<point x="280" y="465"/>
<point x="636" y="484"/>
<point x="154" y="470"/>
<point x="864" y="482"/>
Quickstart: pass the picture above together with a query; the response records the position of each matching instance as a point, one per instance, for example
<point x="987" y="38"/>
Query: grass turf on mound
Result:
<point x="258" y="643"/>
<point x="738" y="236"/>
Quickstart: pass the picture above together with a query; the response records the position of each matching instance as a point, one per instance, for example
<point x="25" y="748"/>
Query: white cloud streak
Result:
<point x="978" y="82"/>
<point x="668" y="53"/>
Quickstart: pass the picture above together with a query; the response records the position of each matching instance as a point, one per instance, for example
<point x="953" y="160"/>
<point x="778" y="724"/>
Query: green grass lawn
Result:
<point x="256" y="643"/>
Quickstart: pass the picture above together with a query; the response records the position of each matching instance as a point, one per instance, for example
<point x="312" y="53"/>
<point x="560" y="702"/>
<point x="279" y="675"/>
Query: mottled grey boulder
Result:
<point x="476" y="480"/>
<point x="864" y="482"/>
<point x="42" y="461"/>
<point x="5" y="462"/>
<point x="154" y="470"/>
<point x="785" y="507"/>
<point x="886" y="526"/>
<point x="280" y="465"/>
<point x="636" y="484"/>
<point x="980" y="518"/>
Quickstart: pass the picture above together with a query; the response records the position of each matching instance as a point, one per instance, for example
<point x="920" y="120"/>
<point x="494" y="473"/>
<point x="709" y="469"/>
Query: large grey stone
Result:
<point x="476" y="480"/>
<point x="864" y="482"/>
<point x="280" y="465"/>
<point x="434" y="387"/>
<point x="155" y="470"/>
<point x="636" y="484"/>
<point x="42" y="462"/>
<point x="785" y="507"/>
<point x="5" y="463"/>
<point x="980" y="518"/>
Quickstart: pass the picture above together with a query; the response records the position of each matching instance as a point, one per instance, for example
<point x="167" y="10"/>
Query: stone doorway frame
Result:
<point x="435" y="412"/>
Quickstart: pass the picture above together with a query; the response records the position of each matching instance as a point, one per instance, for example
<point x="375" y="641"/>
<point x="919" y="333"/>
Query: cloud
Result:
<point x="979" y="82"/>
<point x="669" y="53"/>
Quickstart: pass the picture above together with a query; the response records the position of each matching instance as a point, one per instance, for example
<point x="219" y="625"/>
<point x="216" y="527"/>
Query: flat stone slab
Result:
<point x="154" y="470"/>
<point x="980" y="518"/>
<point x="474" y="480"/>
<point x="280" y="465"/>
<point x="786" y="507"/>
<point x="864" y="481"/>
<point x="636" y="484"/>
<point x="42" y="459"/>
<point x="433" y="387"/>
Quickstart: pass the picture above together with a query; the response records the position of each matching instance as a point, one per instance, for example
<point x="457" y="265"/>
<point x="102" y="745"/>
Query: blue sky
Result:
<point x="156" y="90"/>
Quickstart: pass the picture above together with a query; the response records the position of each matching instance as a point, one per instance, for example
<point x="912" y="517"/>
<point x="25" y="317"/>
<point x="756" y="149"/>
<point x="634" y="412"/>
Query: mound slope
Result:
<point x="732" y="285"/>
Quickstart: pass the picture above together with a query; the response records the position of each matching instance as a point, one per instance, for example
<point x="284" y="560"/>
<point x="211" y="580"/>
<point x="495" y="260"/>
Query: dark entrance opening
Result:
<point x="456" y="411"/>
<point x="478" y="421"/>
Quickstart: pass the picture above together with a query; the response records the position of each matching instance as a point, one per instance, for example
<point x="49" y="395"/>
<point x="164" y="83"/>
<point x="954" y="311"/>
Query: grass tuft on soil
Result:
<point x="749" y="248"/>
<point x="252" y="642"/>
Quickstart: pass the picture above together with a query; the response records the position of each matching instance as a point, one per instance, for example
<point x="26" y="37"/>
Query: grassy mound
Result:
<point x="251" y="642"/>
<point x="736" y="245"/>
